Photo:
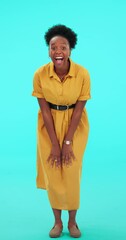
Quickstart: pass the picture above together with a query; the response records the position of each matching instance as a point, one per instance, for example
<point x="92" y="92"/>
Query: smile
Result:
<point x="58" y="58"/>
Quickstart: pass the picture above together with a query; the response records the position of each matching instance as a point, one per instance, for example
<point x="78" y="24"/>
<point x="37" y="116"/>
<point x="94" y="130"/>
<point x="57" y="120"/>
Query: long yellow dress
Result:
<point x="62" y="185"/>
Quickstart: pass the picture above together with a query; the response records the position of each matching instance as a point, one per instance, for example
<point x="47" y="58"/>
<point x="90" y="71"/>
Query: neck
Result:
<point x="63" y="71"/>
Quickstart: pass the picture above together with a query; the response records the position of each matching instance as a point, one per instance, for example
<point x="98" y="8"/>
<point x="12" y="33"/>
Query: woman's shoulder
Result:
<point x="79" y="68"/>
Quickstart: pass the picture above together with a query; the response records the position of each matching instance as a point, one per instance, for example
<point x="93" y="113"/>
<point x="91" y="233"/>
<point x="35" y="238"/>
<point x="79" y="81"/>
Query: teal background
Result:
<point x="101" y="26"/>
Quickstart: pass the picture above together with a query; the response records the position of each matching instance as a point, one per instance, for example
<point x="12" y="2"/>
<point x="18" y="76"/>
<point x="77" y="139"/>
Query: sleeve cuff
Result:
<point x="38" y="95"/>
<point x="83" y="98"/>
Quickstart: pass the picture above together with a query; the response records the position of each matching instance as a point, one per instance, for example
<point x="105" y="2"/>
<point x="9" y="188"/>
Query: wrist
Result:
<point x="55" y="143"/>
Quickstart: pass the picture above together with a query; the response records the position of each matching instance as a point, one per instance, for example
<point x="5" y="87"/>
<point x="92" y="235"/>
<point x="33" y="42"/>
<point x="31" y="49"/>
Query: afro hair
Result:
<point x="61" y="30"/>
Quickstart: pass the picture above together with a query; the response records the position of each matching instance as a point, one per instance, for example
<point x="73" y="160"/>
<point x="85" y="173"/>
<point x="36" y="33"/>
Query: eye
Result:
<point x="53" y="48"/>
<point x="63" y="48"/>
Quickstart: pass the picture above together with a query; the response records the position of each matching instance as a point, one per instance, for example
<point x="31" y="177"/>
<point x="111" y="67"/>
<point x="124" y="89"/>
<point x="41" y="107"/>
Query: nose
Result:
<point x="58" y="50"/>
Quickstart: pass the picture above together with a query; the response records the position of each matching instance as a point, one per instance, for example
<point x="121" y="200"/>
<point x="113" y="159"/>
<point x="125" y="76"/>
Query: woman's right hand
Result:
<point x="55" y="156"/>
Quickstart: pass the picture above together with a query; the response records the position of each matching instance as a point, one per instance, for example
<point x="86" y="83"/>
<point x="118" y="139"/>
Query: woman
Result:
<point x="62" y="88"/>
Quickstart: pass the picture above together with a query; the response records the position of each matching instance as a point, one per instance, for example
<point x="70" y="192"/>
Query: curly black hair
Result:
<point x="61" y="30"/>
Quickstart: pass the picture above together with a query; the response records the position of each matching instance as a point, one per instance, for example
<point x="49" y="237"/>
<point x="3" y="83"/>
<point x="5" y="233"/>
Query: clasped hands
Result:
<point x="61" y="156"/>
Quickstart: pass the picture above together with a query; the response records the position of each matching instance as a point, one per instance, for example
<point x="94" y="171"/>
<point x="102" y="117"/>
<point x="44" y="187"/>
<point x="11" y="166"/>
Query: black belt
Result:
<point x="61" y="107"/>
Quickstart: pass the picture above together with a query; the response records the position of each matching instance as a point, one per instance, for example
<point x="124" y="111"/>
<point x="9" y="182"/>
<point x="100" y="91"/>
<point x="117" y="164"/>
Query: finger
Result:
<point x="63" y="159"/>
<point x="70" y="159"/>
<point x="55" y="160"/>
<point x="49" y="158"/>
<point x="72" y="155"/>
<point x="67" y="160"/>
<point x="52" y="161"/>
<point x="58" y="164"/>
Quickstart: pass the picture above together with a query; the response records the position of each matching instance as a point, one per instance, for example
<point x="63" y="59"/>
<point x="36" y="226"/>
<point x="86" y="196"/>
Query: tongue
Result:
<point x="59" y="61"/>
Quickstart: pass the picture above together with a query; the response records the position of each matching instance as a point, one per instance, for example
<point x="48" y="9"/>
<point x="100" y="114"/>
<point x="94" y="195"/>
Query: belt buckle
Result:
<point x="67" y="107"/>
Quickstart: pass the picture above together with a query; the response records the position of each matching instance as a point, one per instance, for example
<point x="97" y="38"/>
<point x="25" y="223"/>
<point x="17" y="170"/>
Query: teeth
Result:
<point x="59" y="58"/>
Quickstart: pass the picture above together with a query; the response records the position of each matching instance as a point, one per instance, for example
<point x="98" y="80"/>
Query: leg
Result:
<point x="72" y="216"/>
<point x="58" y="227"/>
<point x="57" y="215"/>
<point x="72" y="226"/>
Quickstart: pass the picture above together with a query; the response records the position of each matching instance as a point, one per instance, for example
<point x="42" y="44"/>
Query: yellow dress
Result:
<point x="63" y="186"/>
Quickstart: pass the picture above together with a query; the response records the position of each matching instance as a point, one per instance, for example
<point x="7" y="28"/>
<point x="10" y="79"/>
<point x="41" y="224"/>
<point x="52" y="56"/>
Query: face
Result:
<point x="59" y="51"/>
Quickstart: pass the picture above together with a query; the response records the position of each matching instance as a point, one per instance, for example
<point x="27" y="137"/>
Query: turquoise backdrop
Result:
<point x="101" y="26"/>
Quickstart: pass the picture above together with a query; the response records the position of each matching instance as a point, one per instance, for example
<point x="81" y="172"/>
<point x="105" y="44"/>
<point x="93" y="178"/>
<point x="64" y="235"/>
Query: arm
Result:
<point x="49" y="124"/>
<point x="67" y="152"/>
<point x="76" y="116"/>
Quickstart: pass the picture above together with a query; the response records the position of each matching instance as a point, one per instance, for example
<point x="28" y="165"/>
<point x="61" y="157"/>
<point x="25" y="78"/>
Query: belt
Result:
<point x="61" y="107"/>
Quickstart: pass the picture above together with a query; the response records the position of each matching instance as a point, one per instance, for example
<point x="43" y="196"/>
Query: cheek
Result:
<point x="49" y="53"/>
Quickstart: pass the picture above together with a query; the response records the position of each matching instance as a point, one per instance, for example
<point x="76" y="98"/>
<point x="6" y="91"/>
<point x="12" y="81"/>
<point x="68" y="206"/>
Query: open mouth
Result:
<point x="59" y="59"/>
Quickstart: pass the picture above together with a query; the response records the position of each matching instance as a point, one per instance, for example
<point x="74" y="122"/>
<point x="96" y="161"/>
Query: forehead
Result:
<point x="58" y="40"/>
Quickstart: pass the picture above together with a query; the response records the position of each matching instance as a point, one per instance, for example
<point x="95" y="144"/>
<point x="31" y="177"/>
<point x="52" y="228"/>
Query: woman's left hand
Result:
<point x="67" y="154"/>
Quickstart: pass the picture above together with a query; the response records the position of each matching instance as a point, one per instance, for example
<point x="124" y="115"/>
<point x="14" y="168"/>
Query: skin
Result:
<point x="59" y="47"/>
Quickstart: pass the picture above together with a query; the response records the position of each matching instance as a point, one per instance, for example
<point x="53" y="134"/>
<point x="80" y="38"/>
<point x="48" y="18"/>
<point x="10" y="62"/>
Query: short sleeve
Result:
<point x="85" y="91"/>
<point x="37" y="88"/>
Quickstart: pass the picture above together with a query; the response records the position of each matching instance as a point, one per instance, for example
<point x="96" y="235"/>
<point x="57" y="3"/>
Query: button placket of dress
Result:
<point x="60" y="90"/>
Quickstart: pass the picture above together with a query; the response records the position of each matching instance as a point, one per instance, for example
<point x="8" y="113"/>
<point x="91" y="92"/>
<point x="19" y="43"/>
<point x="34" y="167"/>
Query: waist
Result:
<point x="61" y="107"/>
